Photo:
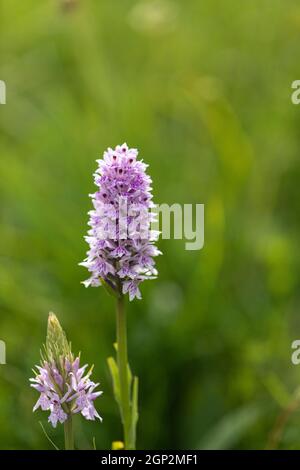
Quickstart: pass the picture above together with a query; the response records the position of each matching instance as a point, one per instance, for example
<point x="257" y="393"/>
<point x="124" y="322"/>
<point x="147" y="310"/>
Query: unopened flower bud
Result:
<point x="57" y="345"/>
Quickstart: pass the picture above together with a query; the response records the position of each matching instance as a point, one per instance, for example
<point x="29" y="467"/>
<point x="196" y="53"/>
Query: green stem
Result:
<point x="123" y="371"/>
<point x="69" y="435"/>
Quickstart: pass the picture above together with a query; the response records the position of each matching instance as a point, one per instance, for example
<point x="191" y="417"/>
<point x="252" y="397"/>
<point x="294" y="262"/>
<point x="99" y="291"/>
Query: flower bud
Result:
<point x="57" y="345"/>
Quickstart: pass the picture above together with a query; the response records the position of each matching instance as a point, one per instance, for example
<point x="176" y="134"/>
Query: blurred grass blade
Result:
<point x="228" y="432"/>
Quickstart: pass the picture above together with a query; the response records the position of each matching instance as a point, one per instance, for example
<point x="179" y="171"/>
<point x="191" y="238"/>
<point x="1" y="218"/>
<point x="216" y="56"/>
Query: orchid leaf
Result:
<point x="114" y="371"/>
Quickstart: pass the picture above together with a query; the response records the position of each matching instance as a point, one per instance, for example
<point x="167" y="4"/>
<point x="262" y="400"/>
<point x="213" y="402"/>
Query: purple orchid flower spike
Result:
<point x="121" y="256"/>
<point x="65" y="389"/>
<point x="121" y="242"/>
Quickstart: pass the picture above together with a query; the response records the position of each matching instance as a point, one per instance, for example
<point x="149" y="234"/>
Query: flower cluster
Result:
<point x="121" y="240"/>
<point x="64" y="387"/>
<point x="65" y="393"/>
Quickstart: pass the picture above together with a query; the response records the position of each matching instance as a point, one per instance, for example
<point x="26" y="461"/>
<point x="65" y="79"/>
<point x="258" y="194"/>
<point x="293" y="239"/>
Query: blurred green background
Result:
<point x="202" y="88"/>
